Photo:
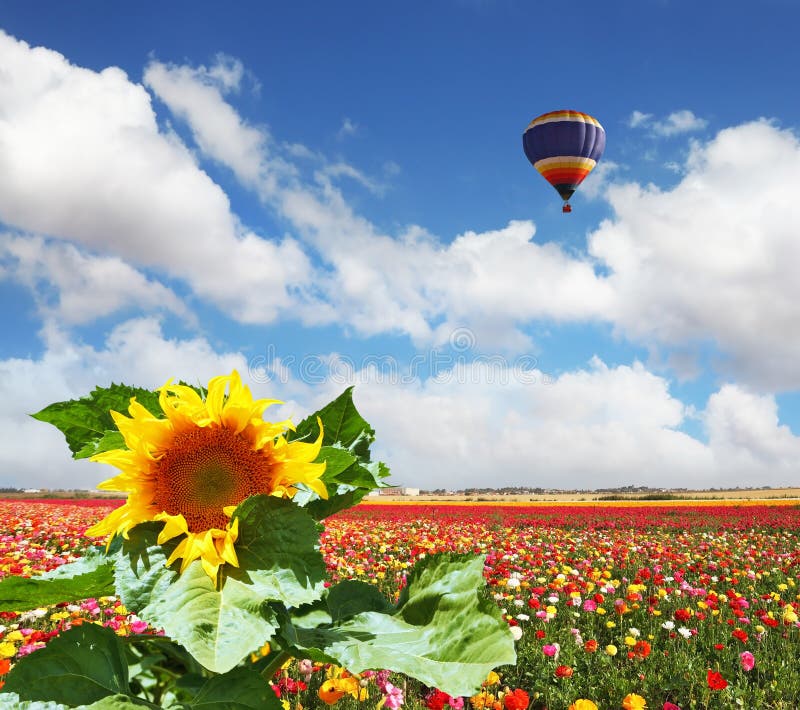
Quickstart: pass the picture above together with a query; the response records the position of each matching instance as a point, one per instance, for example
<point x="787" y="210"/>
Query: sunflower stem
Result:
<point x="275" y="663"/>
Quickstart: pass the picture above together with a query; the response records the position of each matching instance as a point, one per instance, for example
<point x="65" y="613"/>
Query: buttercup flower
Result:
<point x="632" y="701"/>
<point x="583" y="704"/>
<point x="193" y="466"/>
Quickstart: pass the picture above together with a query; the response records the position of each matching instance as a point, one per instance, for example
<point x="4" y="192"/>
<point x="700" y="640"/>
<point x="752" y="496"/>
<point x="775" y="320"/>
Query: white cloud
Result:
<point x="83" y="159"/>
<point x="87" y="287"/>
<point x="714" y="258"/>
<point x="747" y="438"/>
<point x="639" y="118"/>
<point x="683" y="121"/>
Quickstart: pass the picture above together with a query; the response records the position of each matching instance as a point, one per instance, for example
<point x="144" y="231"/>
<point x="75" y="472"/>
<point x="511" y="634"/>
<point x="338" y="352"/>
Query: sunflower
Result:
<point x="193" y="466"/>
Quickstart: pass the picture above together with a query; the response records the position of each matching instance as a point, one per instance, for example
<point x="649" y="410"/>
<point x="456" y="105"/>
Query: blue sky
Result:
<point x="323" y="195"/>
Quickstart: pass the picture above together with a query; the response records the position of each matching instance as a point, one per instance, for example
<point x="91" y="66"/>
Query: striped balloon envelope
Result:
<point x="564" y="146"/>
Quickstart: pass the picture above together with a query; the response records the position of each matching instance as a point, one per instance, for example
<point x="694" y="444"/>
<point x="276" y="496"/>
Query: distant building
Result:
<point x="31" y="490"/>
<point x="398" y="491"/>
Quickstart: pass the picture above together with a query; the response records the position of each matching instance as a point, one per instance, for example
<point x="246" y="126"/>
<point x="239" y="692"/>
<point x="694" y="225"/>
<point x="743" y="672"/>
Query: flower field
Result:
<point x="613" y="606"/>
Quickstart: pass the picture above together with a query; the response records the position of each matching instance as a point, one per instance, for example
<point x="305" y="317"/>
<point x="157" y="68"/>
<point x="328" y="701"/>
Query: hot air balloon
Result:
<point x="564" y="146"/>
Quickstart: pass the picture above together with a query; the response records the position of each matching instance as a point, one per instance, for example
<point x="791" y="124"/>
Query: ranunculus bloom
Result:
<point x="632" y="701"/>
<point x="670" y="706"/>
<point x="748" y="660"/>
<point x="716" y="681"/>
<point x="518" y="700"/>
<point x="550" y="649"/>
<point x="583" y="704"/>
<point x="564" y="672"/>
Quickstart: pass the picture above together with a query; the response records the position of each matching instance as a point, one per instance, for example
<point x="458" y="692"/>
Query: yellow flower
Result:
<point x="611" y="649"/>
<point x="7" y="650"/>
<point x="583" y="704"/>
<point x="193" y="466"/>
<point x="492" y="679"/>
<point x="634" y="702"/>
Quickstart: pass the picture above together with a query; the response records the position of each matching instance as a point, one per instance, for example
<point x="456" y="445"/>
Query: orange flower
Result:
<point x="5" y="666"/>
<point x="329" y="693"/>
<point x="590" y="646"/>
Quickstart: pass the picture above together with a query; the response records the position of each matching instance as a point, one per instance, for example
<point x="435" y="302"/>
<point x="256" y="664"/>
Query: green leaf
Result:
<point x="350" y="597"/>
<point x="342" y="424"/>
<point x="12" y="701"/>
<point x="277" y="551"/>
<point x="90" y="576"/>
<point x="79" y="667"/>
<point x="442" y="632"/>
<point x="118" y="702"/>
<point x="87" y="422"/>
<point x="240" y="688"/>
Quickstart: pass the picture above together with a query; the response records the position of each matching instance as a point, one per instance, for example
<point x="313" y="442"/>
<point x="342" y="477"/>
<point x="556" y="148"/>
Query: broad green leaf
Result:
<point x="442" y="632"/>
<point x="12" y="701"/>
<point x="342" y="424"/>
<point x="85" y="422"/>
<point x="218" y="627"/>
<point x="278" y="551"/>
<point x="118" y="702"/>
<point x="90" y="576"/>
<point x="79" y="667"/>
<point x="350" y="597"/>
<point x="111" y="439"/>
<point x="241" y="688"/>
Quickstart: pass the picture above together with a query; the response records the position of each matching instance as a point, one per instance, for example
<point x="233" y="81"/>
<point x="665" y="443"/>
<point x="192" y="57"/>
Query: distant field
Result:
<point x="755" y="494"/>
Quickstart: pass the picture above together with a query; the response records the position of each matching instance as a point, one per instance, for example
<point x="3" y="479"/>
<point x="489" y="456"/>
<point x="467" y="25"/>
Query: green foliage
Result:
<point x="79" y="667"/>
<point x="90" y="576"/>
<point x="87" y="424"/>
<point x="350" y="473"/>
<point x="442" y="631"/>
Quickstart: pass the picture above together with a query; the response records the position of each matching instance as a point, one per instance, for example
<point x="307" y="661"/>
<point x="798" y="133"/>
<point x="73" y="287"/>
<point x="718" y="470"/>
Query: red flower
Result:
<point x="590" y="646"/>
<point x="437" y="700"/>
<point x="564" y="672"/>
<point x="716" y="681"/>
<point x="740" y="634"/>
<point x="518" y="700"/>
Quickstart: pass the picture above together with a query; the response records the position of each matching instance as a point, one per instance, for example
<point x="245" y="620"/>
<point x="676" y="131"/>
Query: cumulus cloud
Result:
<point x="713" y="259"/>
<point x="683" y="121"/>
<point x="75" y="287"/>
<point x="84" y="160"/>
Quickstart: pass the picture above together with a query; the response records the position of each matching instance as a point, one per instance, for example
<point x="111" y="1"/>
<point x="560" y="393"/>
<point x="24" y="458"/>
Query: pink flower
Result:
<point x="551" y="650"/>
<point x="393" y="697"/>
<point x="670" y="706"/>
<point x="590" y="605"/>
<point x="748" y="660"/>
<point x="139" y="627"/>
<point x="456" y="703"/>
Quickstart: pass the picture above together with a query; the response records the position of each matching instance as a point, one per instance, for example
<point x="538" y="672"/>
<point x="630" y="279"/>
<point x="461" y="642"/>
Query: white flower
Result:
<point x="683" y="631"/>
<point x="519" y="602"/>
<point x="668" y="625"/>
<point x="512" y="582"/>
<point x="516" y="632"/>
<point x="523" y="617"/>
<point x="633" y="631"/>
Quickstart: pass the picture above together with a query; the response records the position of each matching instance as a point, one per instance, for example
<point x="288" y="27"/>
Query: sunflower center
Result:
<point x="206" y="469"/>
